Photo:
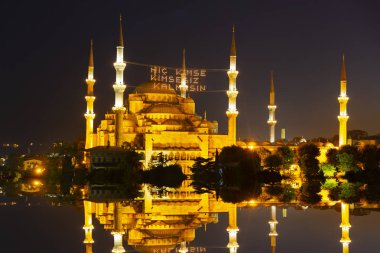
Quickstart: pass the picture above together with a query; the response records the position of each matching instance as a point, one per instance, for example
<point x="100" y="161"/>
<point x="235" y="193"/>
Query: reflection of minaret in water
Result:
<point x="273" y="233"/>
<point x="88" y="227"/>
<point x="232" y="229"/>
<point x="183" y="248"/>
<point x="118" y="231"/>
<point x="345" y="225"/>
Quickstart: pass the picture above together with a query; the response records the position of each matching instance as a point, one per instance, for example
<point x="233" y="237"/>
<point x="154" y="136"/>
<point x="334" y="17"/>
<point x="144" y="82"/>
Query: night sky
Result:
<point x="44" y="51"/>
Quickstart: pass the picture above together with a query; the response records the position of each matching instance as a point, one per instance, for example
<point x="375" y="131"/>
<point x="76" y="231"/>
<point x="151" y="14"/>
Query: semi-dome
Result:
<point x="163" y="108"/>
<point x="155" y="87"/>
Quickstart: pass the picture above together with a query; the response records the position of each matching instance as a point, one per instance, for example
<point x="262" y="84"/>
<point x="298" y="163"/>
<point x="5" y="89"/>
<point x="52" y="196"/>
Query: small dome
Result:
<point x="155" y="87"/>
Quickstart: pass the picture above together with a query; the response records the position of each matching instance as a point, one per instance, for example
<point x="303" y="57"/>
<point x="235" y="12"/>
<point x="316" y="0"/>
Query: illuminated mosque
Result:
<point x="157" y="121"/>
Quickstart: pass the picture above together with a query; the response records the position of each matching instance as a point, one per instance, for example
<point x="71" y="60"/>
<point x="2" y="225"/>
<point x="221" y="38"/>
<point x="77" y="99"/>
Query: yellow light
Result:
<point x="251" y="147"/>
<point x="39" y="171"/>
<point x="37" y="183"/>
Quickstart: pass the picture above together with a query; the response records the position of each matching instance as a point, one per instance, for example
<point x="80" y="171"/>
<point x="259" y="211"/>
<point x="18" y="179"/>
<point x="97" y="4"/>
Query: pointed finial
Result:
<point x="271" y="81"/>
<point x="205" y="115"/>
<point x="91" y="60"/>
<point x="233" y="46"/>
<point x="344" y="77"/>
<point x="183" y="59"/>
<point x="121" y="40"/>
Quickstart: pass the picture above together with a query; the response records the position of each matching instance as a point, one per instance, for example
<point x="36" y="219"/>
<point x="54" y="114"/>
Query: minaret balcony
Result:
<point x="343" y="117"/>
<point x="232" y="73"/>
<point x="119" y="108"/>
<point x="90" y="98"/>
<point x="119" y="87"/>
<point x="342" y="99"/>
<point x="273" y="233"/>
<point x="272" y="107"/>
<point x="272" y="122"/>
<point x="232" y="93"/>
<point x="89" y="115"/>
<point x="232" y="112"/>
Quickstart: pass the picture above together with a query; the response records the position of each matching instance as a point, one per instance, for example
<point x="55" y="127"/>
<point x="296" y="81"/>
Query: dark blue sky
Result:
<point x="44" y="54"/>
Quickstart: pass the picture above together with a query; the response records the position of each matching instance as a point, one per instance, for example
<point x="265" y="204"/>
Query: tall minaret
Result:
<point x="88" y="227"/>
<point x="232" y="229"/>
<point x="273" y="232"/>
<point x="232" y="92"/>
<point x="119" y="88"/>
<point x="183" y="248"/>
<point x="118" y="231"/>
<point x="343" y="99"/>
<point x="90" y="98"/>
<point x="183" y="87"/>
<point x="345" y="225"/>
<point x="272" y="109"/>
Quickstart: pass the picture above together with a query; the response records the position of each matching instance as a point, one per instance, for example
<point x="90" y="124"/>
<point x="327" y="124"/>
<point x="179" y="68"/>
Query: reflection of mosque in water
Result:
<point x="167" y="223"/>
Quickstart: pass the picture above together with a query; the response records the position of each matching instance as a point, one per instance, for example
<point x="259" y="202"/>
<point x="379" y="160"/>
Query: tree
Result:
<point x="370" y="158"/>
<point x="357" y="134"/>
<point x="273" y="162"/>
<point x="346" y="162"/>
<point x="327" y="169"/>
<point x="287" y="156"/>
<point x="349" y="193"/>
<point x="331" y="157"/>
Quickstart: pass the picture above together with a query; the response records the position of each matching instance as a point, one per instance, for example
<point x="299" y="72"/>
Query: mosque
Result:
<point x="154" y="121"/>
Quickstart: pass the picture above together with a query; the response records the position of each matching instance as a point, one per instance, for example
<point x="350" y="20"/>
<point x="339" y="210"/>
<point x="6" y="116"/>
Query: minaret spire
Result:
<point x="183" y="87"/>
<point x="121" y="40"/>
<point x="345" y="226"/>
<point x="232" y="92"/>
<point x="344" y="76"/>
<point x="119" y="88"/>
<point x="232" y="229"/>
<point x="90" y="98"/>
<point x="343" y="99"/>
<point x="88" y="227"/>
<point x="272" y="109"/>
<point x="273" y="232"/>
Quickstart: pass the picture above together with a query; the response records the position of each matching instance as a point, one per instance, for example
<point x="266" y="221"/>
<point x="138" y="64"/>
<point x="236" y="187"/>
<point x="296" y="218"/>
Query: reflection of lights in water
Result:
<point x="37" y="183"/>
<point x="39" y="171"/>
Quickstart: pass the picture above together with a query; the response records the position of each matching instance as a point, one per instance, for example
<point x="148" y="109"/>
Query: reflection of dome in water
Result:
<point x="154" y="87"/>
<point x="152" y="249"/>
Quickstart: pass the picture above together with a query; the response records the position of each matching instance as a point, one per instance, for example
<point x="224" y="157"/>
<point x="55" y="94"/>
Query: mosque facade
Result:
<point x="154" y="121"/>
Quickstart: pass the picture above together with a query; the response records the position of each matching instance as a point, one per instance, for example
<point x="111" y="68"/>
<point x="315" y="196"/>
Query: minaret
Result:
<point x="343" y="99"/>
<point x="119" y="88"/>
<point x="183" y="87"/>
<point x="90" y="98"/>
<point x="118" y="231"/>
<point x="232" y="229"/>
<point x="183" y="248"/>
<point x="273" y="233"/>
<point x="88" y="227"/>
<point x="272" y="109"/>
<point x="232" y="92"/>
<point x="345" y="225"/>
